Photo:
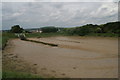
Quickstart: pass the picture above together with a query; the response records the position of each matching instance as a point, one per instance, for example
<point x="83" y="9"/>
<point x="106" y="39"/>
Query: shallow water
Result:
<point x="91" y="58"/>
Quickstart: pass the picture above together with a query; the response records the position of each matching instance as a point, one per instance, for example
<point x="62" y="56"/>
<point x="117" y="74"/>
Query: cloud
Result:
<point x="39" y="14"/>
<point x="77" y="0"/>
<point x="17" y="0"/>
<point x="60" y="0"/>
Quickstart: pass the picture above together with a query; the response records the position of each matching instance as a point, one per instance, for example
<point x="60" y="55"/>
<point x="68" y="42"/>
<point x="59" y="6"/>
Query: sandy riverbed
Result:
<point x="75" y="57"/>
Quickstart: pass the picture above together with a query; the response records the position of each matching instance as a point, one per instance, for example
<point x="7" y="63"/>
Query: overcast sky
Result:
<point x="61" y="14"/>
<point x="60" y="0"/>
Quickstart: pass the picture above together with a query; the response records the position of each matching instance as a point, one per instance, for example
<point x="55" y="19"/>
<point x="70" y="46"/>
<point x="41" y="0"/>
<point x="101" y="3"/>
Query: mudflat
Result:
<point x="74" y="57"/>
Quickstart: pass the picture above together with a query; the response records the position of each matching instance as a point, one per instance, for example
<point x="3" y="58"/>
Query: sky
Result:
<point x="40" y="13"/>
<point x="59" y="0"/>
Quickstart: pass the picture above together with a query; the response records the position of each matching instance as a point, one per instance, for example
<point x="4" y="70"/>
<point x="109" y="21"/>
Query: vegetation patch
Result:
<point x="110" y="29"/>
<point x="5" y="37"/>
<point x="40" y="35"/>
<point x="13" y="74"/>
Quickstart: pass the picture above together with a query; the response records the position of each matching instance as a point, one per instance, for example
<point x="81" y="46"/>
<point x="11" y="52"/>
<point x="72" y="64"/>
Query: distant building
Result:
<point x="40" y="31"/>
<point x="58" y="30"/>
<point x="35" y="31"/>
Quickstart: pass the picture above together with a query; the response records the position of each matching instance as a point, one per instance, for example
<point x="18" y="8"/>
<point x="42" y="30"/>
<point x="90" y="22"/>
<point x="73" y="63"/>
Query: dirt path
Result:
<point x="75" y="57"/>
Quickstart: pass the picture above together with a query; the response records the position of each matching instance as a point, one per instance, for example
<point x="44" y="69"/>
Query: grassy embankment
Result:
<point x="0" y="42"/>
<point x="11" y="74"/>
<point x="5" y="37"/>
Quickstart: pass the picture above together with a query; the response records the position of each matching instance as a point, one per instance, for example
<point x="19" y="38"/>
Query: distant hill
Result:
<point x="108" y="28"/>
<point x="111" y="27"/>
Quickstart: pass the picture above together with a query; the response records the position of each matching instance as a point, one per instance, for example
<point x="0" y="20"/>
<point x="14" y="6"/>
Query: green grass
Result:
<point x="0" y="42"/>
<point x="5" y="37"/>
<point x="11" y="74"/>
<point x="44" y="34"/>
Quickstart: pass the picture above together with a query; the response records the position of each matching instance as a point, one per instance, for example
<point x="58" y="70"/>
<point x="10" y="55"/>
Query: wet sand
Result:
<point x="75" y="57"/>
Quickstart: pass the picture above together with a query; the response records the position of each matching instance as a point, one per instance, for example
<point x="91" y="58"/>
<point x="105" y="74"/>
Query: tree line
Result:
<point x="111" y="27"/>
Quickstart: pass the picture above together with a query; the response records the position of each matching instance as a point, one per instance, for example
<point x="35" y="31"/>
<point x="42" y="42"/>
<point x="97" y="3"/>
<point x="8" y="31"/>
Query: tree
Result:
<point x="16" y="29"/>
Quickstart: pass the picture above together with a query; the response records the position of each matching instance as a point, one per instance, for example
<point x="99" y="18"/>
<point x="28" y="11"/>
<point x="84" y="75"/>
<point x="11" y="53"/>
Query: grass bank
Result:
<point x="5" y="37"/>
<point x="0" y="41"/>
<point x="13" y="74"/>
